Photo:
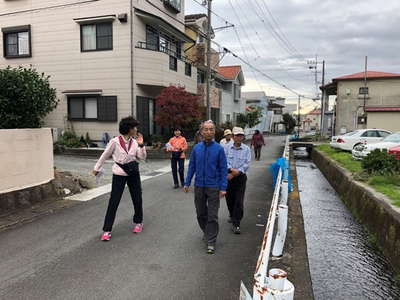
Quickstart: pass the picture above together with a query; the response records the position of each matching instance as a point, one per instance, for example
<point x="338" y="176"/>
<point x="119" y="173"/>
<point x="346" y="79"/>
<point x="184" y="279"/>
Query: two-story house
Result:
<point x="107" y="59"/>
<point x="231" y="79"/>
<point x="366" y="100"/>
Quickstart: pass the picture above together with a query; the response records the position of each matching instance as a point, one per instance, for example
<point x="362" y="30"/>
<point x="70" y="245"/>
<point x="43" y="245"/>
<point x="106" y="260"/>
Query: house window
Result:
<point x="236" y="92"/>
<point x="215" y="115"/>
<point x="17" y="42"/>
<point x="96" y="37"/>
<point x="228" y="118"/>
<point x="92" y="108"/>
<point x="159" y="41"/>
<point x="188" y="69"/>
<point x="173" y="63"/>
<point x="174" y="4"/>
<point x="152" y="38"/>
<point x="363" y="91"/>
<point x="201" y="78"/>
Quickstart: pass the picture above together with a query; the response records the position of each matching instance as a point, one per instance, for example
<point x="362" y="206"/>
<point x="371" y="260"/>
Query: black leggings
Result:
<point x="257" y="152"/>
<point x="118" y="186"/>
<point x="181" y="164"/>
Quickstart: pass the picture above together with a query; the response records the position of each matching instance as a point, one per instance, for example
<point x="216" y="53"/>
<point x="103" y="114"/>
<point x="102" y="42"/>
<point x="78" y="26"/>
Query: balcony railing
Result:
<point x="166" y="50"/>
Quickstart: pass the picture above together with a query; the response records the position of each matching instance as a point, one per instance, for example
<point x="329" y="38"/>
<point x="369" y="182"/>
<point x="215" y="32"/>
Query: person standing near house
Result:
<point x="178" y="147"/>
<point x="208" y="162"/>
<point x="238" y="159"/>
<point x="257" y="142"/>
<point x="227" y="140"/>
<point x="125" y="149"/>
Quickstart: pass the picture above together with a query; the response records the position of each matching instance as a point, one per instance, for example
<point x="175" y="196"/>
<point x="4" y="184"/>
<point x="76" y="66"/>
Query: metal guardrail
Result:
<point x="273" y="284"/>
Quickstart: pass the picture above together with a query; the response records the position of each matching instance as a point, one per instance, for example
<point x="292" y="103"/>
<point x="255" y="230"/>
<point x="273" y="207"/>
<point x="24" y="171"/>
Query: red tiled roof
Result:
<point x="370" y="74"/>
<point x="315" y="112"/>
<point x="372" y="109"/>
<point x="229" y="72"/>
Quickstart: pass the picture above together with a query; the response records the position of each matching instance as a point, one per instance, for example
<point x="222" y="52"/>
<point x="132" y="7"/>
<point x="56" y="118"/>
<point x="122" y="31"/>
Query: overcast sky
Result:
<point x="341" y="32"/>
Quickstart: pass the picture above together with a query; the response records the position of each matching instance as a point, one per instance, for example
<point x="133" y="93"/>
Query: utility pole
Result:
<point x="365" y="83"/>
<point x="209" y="31"/>
<point x="298" y="114"/>
<point x="323" y="103"/>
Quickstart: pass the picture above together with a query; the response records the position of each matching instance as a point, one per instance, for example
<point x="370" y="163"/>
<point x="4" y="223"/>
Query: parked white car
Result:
<point x="391" y="141"/>
<point x="352" y="139"/>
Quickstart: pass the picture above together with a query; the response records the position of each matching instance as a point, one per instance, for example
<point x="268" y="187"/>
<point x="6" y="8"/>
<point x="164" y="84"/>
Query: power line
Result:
<point x="243" y="60"/>
<point x="263" y="41"/>
<point x="214" y="13"/>
<point x="244" y="53"/>
<point x="244" y="30"/>
<point x="251" y="44"/>
<point x="279" y="29"/>
<point x="281" y="42"/>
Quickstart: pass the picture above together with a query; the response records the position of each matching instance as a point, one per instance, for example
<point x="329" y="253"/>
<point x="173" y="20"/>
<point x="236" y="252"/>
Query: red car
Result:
<point x="395" y="151"/>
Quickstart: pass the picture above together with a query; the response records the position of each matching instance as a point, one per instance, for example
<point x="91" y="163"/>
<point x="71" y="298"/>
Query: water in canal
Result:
<point x="343" y="263"/>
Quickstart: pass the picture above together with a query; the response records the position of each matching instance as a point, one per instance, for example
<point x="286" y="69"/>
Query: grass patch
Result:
<point x="343" y="158"/>
<point x="388" y="185"/>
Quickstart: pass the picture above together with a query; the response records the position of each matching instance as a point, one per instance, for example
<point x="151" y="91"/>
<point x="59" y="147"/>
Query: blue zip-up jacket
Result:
<point x="208" y="162"/>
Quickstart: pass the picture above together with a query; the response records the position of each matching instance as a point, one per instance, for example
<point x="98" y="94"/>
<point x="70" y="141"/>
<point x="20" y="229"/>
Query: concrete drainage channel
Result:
<point x="343" y="262"/>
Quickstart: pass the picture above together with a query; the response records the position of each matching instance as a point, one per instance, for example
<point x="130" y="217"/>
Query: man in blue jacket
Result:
<point x="208" y="162"/>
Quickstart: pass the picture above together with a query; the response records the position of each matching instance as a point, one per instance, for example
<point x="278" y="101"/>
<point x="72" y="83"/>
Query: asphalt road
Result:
<point x="60" y="256"/>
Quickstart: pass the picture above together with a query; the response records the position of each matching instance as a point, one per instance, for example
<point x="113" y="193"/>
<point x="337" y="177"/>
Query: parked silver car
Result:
<point x="361" y="151"/>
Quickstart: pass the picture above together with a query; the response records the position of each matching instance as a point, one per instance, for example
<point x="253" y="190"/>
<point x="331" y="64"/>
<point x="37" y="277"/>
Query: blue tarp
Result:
<point x="276" y="166"/>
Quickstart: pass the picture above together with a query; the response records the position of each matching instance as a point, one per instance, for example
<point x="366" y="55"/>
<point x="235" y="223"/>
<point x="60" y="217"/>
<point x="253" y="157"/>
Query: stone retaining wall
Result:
<point x="374" y="210"/>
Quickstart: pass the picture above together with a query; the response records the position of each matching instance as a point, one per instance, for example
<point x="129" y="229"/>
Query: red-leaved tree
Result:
<point x="176" y="108"/>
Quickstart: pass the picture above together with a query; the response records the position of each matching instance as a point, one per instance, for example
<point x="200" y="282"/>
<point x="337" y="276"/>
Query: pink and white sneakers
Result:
<point x="106" y="236"/>
<point x="137" y="228"/>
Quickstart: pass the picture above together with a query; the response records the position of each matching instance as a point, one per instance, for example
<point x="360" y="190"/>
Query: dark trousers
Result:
<point x="206" y="201"/>
<point x="235" y="198"/>
<point x="118" y="186"/>
<point x="257" y="152"/>
<point x="181" y="163"/>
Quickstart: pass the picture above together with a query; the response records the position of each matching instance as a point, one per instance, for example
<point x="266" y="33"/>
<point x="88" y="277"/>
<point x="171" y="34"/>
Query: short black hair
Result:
<point x="127" y="124"/>
<point x="257" y="131"/>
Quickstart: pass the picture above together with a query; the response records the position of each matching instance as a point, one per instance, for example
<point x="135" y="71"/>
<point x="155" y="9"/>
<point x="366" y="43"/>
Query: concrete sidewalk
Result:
<point x="60" y="256"/>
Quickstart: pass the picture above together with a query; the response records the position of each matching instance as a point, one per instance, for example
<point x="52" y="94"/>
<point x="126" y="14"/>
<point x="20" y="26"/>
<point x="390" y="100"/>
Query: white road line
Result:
<point x="91" y="194"/>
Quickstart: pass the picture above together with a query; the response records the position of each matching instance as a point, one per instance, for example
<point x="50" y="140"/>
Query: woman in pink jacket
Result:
<point x="125" y="150"/>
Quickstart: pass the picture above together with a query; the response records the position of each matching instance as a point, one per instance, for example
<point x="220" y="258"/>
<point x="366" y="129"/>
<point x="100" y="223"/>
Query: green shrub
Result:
<point x="25" y="98"/>
<point x="380" y="162"/>
<point x="70" y="140"/>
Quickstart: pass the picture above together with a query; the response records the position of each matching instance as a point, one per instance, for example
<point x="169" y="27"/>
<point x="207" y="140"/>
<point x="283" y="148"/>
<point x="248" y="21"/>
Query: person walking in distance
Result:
<point x="208" y="163"/>
<point x="177" y="145"/>
<point x="257" y="142"/>
<point x="238" y="159"/>
<point x="125" y="150"/>
<point x="227" y="140"/>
